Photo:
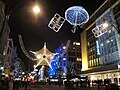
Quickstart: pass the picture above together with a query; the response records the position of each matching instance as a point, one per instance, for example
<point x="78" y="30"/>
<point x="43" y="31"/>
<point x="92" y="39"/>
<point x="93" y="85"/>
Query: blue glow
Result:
<point x="56" y="62"/>
<point x="76" y="15"/>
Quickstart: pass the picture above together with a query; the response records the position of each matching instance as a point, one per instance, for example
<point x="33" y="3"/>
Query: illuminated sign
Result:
<point x="98" y="50"/>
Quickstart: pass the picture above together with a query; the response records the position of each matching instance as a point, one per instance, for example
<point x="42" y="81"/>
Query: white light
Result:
<point x="64" y="59"/>
<point x="73" y="47"/>
<point x="32" y="72"/>
<point x="108" y="41"/>
<point x="102" y="44"/>
<point x="118" y="66"/>
<point x="23" y="72"/>
<point x="34" y="66"/>
<point x="78" y="59"/>
<point x="6" y="75"/>
<point x="98" y="51"/>
<point x="105" y="25"/>
<point x="77" y="43"/>
<point x="2" y="68"/>
<point x="64" y="47"/>
<point x="109" y="31"/>
<point x="52" y="57"/>
<point x="64" y="74"/>
<point x="73" y="43"/>
<point x="38" y="56"/>
<point x="36" y="9"/>
<point x="35" y="70"/>
<point x="88" y="43"/>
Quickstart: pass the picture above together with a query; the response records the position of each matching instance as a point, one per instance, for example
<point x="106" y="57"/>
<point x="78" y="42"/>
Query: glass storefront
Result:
<point x="114" y="77"/>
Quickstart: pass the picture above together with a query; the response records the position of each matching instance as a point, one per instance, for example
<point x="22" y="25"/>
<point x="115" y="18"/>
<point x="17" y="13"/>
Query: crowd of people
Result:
<point x="106" y="83"/>
<point x="10" y="83"/>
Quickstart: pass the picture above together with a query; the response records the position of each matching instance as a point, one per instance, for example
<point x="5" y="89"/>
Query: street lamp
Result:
<point x="36" y="9"/>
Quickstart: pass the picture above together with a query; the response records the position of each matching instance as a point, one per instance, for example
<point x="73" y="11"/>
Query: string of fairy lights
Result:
<point x="23" y="48"/>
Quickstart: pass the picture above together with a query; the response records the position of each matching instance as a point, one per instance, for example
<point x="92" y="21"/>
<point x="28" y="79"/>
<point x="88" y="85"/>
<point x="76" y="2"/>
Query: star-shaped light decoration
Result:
<point x="43" y="56"/>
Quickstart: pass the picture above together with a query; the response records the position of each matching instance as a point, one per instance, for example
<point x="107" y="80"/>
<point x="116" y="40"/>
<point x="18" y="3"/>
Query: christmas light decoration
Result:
<point x="56" y="22"/>
<point x="75" y="15"/>
<point x="59" y="62"/>
<point x="23" y="48"/>
<point x="42" y="56"/>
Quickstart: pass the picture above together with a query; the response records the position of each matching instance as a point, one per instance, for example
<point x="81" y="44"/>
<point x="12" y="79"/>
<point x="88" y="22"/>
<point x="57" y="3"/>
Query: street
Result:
<point x="56" y="87"/>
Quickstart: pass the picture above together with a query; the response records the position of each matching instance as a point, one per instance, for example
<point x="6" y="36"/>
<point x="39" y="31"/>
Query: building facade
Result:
<point x="66" y="60"/>
<point x="73" y="56"/>
<point x="1" y="21"/>
<point x="101" y="49"/>
<point x="4" y="37"/>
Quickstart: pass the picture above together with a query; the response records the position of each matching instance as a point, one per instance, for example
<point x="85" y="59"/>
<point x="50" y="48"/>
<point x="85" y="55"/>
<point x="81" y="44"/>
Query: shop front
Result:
<point x="108" y="72"/>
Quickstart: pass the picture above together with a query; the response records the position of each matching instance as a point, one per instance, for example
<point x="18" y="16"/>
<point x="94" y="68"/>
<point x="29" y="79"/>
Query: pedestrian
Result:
<point x="26" y="85"/>
<point x="60" y="81"/>
<point x="11" y="84"/>
<point x="88" y="82"/>
<point x="0" y="84"/>
<point x="4" y="83"/>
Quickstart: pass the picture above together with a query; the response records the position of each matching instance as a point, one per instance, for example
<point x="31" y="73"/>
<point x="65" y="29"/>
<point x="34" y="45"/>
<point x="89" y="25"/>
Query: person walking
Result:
<point x="26" y="85"/>
<point x="5" y="83"/>
<point x="88" y="82"/>
<point x="11" y="85"/>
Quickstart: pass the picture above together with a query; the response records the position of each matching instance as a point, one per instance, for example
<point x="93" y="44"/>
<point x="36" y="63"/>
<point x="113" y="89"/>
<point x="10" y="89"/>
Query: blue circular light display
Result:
<point x="76" y="15"/>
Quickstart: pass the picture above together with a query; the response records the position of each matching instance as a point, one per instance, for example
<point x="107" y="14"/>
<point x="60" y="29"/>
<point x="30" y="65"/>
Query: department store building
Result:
<point x="100" y="46"/>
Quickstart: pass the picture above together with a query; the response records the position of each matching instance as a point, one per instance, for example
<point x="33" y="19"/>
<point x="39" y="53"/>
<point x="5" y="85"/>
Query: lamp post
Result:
<point x="36" y="10"/>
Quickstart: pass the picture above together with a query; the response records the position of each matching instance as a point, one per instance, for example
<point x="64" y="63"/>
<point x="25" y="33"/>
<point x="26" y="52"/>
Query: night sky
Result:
<point x="34" y="29"/>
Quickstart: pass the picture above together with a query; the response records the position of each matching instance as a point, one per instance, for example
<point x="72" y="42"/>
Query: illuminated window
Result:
<point x="89" y="63"/>
<point x="79" y="59"/>
<point x="92" y="62"/>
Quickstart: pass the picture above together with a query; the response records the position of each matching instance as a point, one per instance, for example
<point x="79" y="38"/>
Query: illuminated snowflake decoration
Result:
<point x="43" y="56"/>
<point x="76" y="15"/>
